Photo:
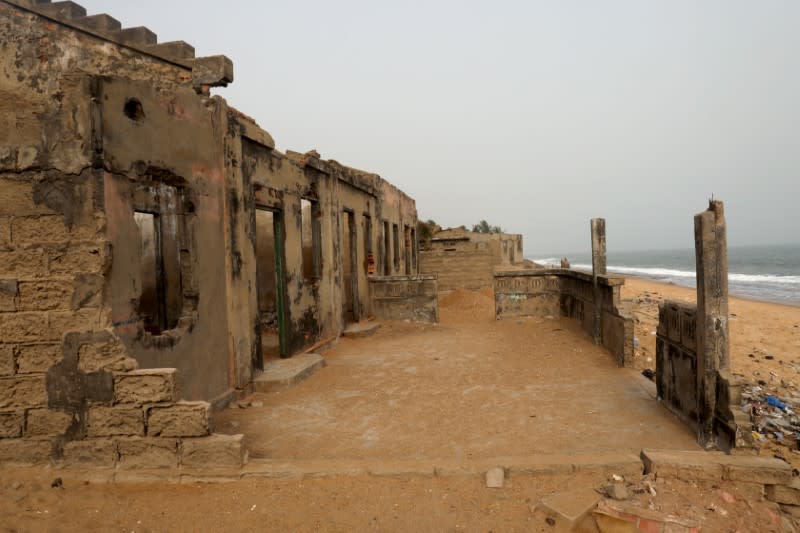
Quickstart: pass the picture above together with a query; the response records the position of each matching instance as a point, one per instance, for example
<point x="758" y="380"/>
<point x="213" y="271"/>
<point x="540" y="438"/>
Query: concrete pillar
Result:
<point x="711" y="252"/>
<point x="598" y="226"/>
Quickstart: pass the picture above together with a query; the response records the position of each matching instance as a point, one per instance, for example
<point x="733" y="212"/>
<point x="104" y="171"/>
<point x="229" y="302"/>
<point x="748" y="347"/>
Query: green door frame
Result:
<point x="279" y="288"/>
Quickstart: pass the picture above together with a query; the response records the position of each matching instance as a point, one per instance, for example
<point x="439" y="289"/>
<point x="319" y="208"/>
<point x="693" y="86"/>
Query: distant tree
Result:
<point x="425" y="232"/>
<point x="484" y="227"/>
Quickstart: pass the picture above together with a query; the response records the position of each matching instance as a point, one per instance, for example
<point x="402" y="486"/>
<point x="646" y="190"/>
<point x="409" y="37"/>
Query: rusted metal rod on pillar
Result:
<point x="711" y="251"/>
<point x="598" y="226"/>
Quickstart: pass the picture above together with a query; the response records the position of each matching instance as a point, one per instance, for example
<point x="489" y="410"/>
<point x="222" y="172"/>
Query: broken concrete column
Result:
<point x="711" y="252"/>
<point x="598" y="269"/>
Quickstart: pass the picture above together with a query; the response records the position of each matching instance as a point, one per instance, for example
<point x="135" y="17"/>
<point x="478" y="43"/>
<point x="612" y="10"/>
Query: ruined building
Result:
<point x="465" y="259"/>
<point x="155" y="248"/>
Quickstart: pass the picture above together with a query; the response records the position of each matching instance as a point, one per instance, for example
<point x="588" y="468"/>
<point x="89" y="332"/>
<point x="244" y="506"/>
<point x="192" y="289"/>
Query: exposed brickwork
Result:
<point x="46" y="423"/>
<point x="183" y="419"/>
<point x="136" y="453"/>
<point x="11" y="425"/>
<point x="45" y="295"/>
<point x="25" y="451"/>
<point x="49" y="229"/>
<point x="90" y="452"/>
<point x="112" y="421"/>
<point x="22" y="392"/>
<point x="9" y="295"/>
<point x="214" y="451"/>
<point x="5" y="231"/>
<point x="7" y="365"/>
<point x="145" y="386"/>
<point x="22" y="327"/>
<point x="29" y="263"/>
<point x="110" y="355"/>
<point x="37" y="358"/>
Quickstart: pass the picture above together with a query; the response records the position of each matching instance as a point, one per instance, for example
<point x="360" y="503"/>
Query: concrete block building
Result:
<point x="155" y="247"/>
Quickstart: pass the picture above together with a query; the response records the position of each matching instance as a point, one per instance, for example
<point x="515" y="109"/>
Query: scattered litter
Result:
<point x="775" y="402"/>
<point x="649" y="374"/>
<point x="617" y="478"/>
<point x="773" y="417"/>
<point x="57" y="483"/>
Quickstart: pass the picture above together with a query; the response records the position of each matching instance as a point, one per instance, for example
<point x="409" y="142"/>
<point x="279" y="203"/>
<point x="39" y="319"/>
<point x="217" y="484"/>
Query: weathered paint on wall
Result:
<point x="413" y="298"/>
<point x="107" y="132"/>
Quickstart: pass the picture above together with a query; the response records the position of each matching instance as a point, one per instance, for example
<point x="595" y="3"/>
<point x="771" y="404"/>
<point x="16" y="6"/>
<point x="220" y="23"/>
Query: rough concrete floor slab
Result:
<point x="361" y="329"/>
<point x="281" y="374"/>
<point x="467" y="388"/>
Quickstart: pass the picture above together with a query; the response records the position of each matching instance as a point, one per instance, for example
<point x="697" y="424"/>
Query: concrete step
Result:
<point x="284" y="373"/>
<point x="361" y="329"/>
<point x="691" y="466"/>
<point x="601" y="465"/>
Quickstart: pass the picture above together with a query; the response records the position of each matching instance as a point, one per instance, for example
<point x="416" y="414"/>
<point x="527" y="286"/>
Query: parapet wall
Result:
<point x="413" y="298"/>
<point x="563" y="292"/>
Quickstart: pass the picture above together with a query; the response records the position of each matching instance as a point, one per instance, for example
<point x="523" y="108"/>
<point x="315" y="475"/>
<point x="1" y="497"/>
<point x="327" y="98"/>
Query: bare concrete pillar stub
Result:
<point x="711" y="252"/>
<point x="598" y="226"/>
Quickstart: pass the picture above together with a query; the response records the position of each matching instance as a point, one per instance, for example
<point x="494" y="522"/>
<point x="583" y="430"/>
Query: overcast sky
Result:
<point x="533" y="115"/>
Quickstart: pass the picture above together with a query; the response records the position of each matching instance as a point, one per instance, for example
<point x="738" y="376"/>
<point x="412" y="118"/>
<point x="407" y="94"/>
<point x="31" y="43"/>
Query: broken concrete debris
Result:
<point x="495" y="477"/>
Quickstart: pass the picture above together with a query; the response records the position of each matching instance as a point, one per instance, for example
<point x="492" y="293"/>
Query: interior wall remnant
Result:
<point x="413" y="298"/>
<point x="466" y="260"/>
<point x="569" y="293"/>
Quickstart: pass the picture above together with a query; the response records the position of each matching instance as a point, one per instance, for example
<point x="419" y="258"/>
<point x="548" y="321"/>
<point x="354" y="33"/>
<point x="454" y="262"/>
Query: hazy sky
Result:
<point x="533" y="115"/>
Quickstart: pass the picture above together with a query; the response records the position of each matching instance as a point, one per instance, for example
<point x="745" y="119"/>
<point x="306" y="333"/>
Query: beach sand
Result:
<point x="764" y="345"/>
<point x="764" y="337"/>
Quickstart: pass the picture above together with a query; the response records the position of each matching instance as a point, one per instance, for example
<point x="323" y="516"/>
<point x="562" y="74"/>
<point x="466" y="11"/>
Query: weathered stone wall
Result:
<point x="458" y="269"/>
<point x="562" y="292"/>
<point x="467" y="260"/>
<point x="412" y="298"/>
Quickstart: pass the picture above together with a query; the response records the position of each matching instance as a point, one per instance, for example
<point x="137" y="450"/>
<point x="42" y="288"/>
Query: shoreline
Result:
<point x="693" y="290"/>
<point x="764" y="336"/>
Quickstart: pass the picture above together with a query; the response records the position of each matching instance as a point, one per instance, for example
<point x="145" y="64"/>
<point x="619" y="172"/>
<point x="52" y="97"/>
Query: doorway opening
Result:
<point x="349" y="270"/>
<point x="269" y="274"/>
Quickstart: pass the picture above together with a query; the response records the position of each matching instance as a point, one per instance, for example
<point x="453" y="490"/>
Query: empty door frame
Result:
<point x="280" y="310"/>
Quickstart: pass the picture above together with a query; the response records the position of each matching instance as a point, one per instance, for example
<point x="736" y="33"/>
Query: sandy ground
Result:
<point x="363" y="503"/>
<point x="470" y="387"/>
<point x="29" y="504"/>
<point x="764" y="345"/>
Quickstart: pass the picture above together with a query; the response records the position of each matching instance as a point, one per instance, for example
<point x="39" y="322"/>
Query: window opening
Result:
<point x="310" y="239"/>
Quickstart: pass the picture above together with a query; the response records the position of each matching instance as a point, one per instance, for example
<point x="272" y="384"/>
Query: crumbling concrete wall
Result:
<point x="413" y="298"/>
<point x="693" y="375"/>
<point x="70" y="387"/>
<point x="562" y="292"/>
<point x="117" y="145"/>
<point x="467" y="260"/>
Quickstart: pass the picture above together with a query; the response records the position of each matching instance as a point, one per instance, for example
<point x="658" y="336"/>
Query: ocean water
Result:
<point x="770" y="273"/>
